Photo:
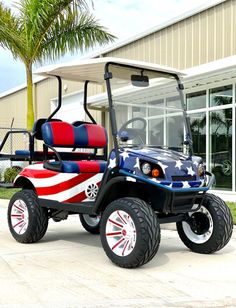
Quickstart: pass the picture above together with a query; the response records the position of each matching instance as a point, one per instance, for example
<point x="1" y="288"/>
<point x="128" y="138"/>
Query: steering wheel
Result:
<point x="126" y="133"/>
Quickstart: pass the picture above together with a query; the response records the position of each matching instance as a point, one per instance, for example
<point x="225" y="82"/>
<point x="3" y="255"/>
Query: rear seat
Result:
<point x="62" y="134"/>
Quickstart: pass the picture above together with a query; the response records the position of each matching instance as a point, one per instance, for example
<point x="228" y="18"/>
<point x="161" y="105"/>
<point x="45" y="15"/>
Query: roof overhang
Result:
<point x="210" y="73"/>
<point x="94" y="69"/>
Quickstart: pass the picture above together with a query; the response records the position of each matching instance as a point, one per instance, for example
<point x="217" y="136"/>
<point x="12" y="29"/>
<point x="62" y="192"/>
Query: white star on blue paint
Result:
<point x="190" y="171"/>
<point x="178" y="164"/>
<point x="163" y="167"/>
<point x="137" y="165"/>
<point x="186" y="184"/>
<point x="112" y="163"/>
<point x="124" y="155"/>
<point x="155" y="180"/>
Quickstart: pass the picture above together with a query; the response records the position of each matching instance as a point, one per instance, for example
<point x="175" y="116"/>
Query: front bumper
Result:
<point x="175" y="199"/>
<point x="170" y="188"/>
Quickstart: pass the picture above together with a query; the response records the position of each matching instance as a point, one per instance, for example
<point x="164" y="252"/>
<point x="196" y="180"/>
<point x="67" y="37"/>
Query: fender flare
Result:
<point x="104" y="189"/>
<point x="23" y="182"/>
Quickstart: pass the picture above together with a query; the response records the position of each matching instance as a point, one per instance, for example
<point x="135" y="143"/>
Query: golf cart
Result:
<point x="149" y="177"/>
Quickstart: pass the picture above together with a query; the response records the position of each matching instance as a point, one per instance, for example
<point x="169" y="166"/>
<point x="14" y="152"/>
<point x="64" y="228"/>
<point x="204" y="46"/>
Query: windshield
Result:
<point x="148" y="108"/>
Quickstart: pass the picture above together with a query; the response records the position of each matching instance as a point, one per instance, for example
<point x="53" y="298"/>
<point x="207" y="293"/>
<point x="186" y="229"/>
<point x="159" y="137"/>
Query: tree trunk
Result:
<point x="30" y="107"/>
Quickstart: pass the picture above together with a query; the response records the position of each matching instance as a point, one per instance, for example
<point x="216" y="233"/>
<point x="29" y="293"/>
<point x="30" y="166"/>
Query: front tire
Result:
<point x="130" y="232"/>
<point x="27" y="220"/>
<point x="209" y="229"/>
<point x="90" y="223"/>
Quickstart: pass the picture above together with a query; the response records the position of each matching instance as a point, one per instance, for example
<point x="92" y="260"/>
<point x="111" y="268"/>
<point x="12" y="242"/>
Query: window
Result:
<point x="221" y="96"/>
<point x="196" y="100"/>
<point x="173" y="103"/>
<point x="156" y="129"/>
<point x="154" y="107"/>
<point x="198" y="129"/>
<point x="175" y="131"/>
<point x="221" y="147"/>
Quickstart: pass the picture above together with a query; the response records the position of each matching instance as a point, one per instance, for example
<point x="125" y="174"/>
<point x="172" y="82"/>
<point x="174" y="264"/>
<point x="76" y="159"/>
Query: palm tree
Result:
<point x="47" y="29"/>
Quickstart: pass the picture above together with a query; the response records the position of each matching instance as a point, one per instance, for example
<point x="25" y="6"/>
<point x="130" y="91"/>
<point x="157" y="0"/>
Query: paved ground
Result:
<point x="68" y="268"/>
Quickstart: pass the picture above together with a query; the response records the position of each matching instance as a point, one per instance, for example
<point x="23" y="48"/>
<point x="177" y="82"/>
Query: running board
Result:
<point x="79" y="207"/>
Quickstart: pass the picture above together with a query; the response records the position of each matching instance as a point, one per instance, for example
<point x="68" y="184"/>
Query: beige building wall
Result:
<point x="12" y="113"/>
<point x="204" y="37"/>
<point x="12" y="106"/>
<point x="46" y="90"/>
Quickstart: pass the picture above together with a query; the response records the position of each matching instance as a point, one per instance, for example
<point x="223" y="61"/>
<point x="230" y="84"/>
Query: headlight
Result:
<point x="146" y="168"/>
<point x="151" y="169"/>
<point x="201" y="170"/>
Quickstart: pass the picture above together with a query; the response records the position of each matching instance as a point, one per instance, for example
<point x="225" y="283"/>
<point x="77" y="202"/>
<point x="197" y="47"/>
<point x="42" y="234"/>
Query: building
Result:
<point x="203" y="44"/>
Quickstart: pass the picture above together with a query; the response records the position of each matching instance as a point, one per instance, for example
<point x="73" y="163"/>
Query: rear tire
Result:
<point x="209" y="229"/>
<point x="90" y="223"/>
<point x="130" y="232"/>
<point x="27" y="220"/>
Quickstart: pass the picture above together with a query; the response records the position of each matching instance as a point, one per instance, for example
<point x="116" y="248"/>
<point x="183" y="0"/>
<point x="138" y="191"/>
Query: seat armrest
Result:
<point x="55" y="166"/>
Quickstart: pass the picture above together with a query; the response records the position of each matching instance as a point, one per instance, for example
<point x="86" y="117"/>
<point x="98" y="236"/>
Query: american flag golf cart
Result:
<point x="150" y="175"/>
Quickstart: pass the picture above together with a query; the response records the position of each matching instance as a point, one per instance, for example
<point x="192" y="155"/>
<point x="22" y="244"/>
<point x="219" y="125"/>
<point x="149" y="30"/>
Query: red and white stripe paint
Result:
<point x="62" y="187"/>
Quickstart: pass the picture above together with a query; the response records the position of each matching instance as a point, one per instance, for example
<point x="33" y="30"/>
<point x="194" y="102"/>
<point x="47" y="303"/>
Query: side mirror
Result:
<point x="139" y="80"/>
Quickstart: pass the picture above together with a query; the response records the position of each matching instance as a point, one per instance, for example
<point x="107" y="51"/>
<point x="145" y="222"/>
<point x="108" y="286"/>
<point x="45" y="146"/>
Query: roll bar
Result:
<point x="60" y="100"/>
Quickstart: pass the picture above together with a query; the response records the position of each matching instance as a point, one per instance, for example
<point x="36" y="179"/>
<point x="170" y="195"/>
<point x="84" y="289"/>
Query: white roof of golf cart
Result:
<point x="93" y="69"/>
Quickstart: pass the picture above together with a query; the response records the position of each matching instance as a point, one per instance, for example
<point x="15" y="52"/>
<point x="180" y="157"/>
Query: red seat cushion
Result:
<point x="62" y="134"/>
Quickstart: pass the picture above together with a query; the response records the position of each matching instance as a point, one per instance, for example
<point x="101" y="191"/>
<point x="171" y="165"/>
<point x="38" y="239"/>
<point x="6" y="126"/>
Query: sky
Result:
<point x="123" y="18"/>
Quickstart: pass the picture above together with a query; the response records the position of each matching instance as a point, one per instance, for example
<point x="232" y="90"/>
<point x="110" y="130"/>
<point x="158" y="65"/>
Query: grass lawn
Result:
<point x="6" y="193"/>
<point x="232" y="206"/>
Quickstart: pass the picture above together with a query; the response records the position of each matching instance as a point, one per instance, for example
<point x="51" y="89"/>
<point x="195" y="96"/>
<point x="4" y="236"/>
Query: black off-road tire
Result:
<point x="91" y="227"/>
<point x="147" y="230"/>
<point x="37" y="217"/>
<point x="220" y="227"/>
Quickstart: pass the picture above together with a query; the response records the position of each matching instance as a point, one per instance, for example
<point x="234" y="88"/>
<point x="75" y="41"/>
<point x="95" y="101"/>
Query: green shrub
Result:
<point x="11" y="173"/>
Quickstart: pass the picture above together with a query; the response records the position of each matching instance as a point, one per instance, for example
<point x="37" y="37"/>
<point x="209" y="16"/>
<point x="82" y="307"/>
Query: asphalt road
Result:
<point x="68" y="268"/>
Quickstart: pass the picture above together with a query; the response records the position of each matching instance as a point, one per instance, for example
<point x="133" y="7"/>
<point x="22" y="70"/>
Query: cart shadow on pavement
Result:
<point x="83" y="238"/>
<point x="170" y="244"/>
<point x="80" y="237"/>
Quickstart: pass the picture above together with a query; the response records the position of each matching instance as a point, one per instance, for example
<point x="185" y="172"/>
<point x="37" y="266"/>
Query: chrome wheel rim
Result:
<point x="121" y="233"/>
<point x="91" y="191"/>
<point x="19" y="217"/>
<point x="92" y="221"/>
<point x="195" y="235"/>
<point x="227" y="167"/>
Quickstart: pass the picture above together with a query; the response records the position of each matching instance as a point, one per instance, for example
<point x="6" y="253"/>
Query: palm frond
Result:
<point x="69" y="36"/>
<point x="39" y="16"/>
<point x="10" y="33"/>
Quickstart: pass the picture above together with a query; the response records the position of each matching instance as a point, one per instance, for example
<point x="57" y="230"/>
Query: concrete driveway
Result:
<point x="68" y="268"/>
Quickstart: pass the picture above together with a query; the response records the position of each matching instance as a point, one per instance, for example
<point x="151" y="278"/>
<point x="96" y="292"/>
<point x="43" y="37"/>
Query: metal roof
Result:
<point x="93" y="69"/>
